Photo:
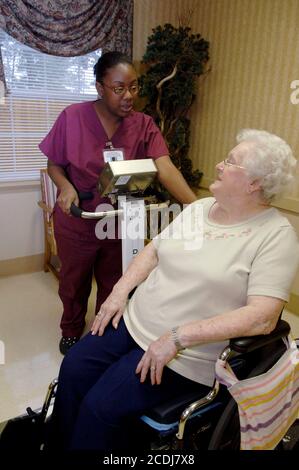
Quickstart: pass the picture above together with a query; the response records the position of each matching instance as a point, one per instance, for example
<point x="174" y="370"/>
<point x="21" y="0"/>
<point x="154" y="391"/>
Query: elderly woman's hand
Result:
<point x="113" y="307"/>
<point x="159" y="353"/>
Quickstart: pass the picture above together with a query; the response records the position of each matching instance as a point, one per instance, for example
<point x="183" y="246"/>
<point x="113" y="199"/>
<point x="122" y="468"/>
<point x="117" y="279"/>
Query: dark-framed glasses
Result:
<point x="228" y="163"/>
<point x="121" y="90"/>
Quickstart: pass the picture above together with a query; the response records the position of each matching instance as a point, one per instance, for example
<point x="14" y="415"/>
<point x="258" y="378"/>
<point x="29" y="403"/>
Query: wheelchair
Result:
<point x="211" y="422"/>
<point x="187" y="423"/>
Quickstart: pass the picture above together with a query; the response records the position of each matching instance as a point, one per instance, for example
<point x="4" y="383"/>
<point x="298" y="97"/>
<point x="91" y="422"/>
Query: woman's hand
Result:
<point x="113" y="307"/>
<point x="67" y="196"/>
<point x="159" y="353"/>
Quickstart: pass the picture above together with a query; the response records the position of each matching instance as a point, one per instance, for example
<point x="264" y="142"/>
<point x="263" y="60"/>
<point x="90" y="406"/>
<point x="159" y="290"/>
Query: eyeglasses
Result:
<point x="228" y="163"/>
<point x="121" y="90"/>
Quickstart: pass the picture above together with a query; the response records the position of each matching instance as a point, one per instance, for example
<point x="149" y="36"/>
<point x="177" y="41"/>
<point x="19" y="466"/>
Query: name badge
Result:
<point x="113" y="155"/>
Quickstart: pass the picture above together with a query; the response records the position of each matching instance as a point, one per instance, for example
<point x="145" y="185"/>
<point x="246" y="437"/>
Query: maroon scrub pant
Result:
<point x="80" y="259"/>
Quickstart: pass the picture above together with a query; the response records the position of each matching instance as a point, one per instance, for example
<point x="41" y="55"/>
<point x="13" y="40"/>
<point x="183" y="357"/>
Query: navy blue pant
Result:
<point x="99" y="391"/>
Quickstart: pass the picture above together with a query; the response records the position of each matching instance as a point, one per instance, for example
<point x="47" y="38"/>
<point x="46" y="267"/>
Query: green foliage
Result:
<point x="174" y="51"/>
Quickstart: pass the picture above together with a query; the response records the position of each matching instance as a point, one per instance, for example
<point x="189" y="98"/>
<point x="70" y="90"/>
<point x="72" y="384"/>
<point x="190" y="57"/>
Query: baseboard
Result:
<point x="30" y="264"/>
<point x="22" y="265"/>
<point x="293" y="305"/>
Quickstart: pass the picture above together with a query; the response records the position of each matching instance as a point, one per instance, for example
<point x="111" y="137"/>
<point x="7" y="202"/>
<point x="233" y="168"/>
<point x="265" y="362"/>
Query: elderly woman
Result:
<point x="191" y="298"/>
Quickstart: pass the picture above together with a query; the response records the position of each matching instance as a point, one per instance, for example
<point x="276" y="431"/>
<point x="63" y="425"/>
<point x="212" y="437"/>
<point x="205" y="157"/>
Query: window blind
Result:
<point x="40" y="87"/>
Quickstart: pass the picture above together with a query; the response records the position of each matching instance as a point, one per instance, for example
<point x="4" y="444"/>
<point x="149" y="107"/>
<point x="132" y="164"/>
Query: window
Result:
<point x="40" y="87"/>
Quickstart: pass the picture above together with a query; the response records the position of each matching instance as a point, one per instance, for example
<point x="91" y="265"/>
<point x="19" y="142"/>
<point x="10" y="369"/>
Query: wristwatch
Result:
<point x="175" y="338"/>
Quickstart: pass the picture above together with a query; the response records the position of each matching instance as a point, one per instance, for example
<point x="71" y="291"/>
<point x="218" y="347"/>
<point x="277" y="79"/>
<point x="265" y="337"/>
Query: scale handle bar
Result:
<point x="78" y="212"/>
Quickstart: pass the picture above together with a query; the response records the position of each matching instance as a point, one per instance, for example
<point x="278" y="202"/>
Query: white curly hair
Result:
<point x="271" y="160"/>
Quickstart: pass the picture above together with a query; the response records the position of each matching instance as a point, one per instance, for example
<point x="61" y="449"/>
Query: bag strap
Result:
<point x="226" y="376"/>
<point x="224" y="373"/>
<point x="291" y="343"/>
<point x="294" y="347"/>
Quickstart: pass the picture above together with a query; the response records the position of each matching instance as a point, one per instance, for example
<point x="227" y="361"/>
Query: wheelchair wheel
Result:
<point x="226" y="435"/>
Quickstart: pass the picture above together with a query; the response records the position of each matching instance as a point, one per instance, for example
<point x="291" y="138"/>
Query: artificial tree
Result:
<point x="175" y="58"/>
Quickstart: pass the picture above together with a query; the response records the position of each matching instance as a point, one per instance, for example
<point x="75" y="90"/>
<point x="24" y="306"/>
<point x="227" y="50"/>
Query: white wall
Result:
<point x="21" y="222"/>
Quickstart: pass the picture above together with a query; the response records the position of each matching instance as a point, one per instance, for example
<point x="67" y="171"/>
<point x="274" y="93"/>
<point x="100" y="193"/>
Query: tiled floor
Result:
<point x="29" y="328"/>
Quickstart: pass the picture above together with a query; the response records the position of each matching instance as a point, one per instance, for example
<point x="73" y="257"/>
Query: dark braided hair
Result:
<point x="107" y="61"/>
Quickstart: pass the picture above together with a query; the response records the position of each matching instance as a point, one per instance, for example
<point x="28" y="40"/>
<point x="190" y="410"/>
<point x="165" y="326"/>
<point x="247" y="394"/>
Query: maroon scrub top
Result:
<point x="76" y="142"/>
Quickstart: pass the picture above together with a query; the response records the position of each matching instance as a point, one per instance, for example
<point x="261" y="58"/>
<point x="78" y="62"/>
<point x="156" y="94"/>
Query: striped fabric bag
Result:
<point x="269" y="403"/>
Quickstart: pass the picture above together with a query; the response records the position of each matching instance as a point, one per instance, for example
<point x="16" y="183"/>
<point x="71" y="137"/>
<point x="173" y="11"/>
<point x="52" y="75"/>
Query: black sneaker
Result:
<point x="66" y="343"/>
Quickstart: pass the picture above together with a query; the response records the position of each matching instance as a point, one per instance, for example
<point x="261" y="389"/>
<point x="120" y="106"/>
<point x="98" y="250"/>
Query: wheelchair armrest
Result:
<point x="250" y="343"/>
